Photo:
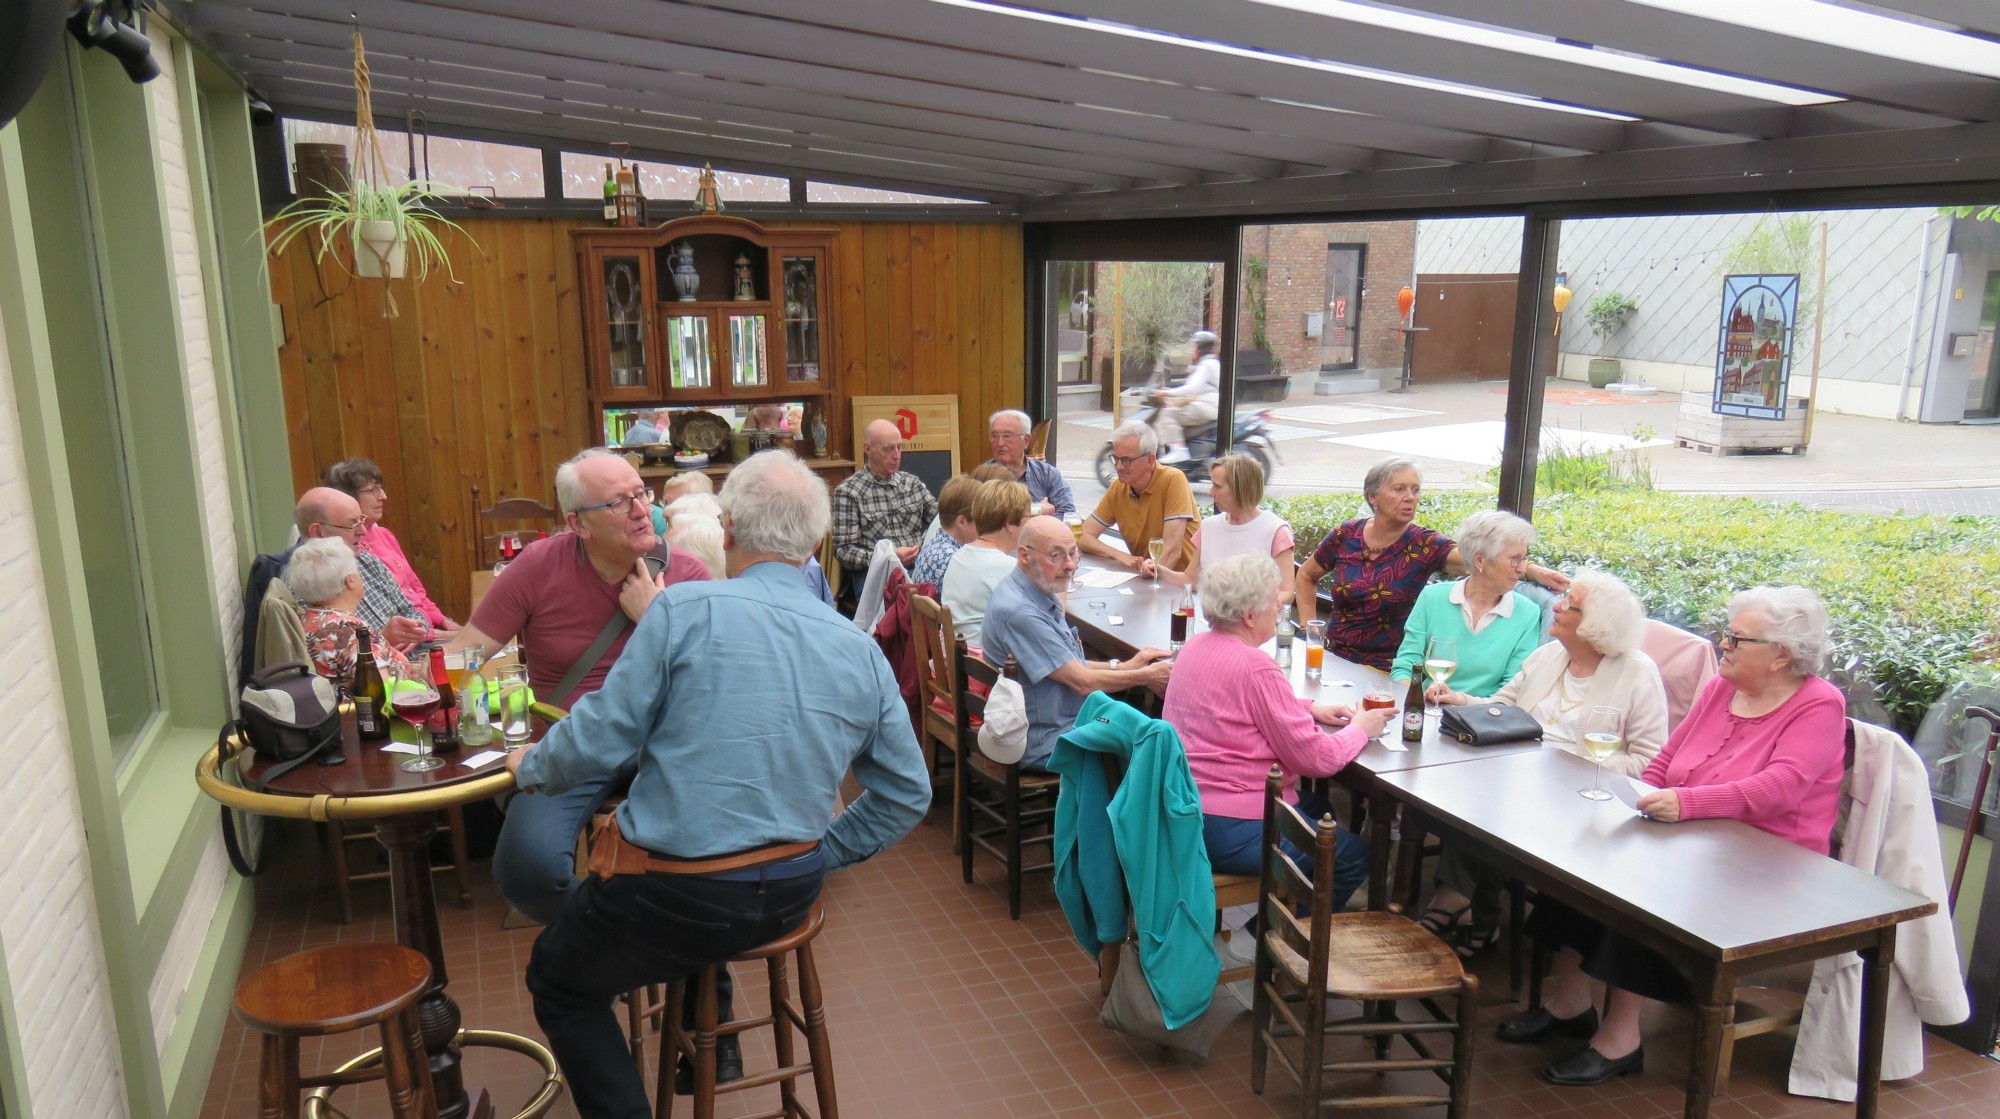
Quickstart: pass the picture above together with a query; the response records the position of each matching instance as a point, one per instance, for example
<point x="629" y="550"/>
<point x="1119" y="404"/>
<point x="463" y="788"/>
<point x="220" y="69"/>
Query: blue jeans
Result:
<point x="1236" y="847"/>
<point x="534" y="860"/>
<point x="616" y="934"/>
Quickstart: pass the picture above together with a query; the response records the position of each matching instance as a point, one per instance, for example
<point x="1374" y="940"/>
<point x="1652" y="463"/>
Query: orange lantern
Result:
<point x="1559" y="299"/>
<point x="1405" y="299"/>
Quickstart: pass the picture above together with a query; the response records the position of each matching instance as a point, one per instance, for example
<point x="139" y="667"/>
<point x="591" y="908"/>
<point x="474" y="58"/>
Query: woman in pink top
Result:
<point x="1237" y="716"/>
<point x="362" y="480"/>
<point x="1765" y="744"/>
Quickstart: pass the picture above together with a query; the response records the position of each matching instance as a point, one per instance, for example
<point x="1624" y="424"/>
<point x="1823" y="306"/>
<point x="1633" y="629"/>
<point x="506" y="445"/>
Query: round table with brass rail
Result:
<point x="404" y="808"/>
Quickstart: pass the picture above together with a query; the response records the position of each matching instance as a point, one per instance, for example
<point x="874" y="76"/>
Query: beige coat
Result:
<point x="1630" y="682"/>
<point x="1892" y="833"/>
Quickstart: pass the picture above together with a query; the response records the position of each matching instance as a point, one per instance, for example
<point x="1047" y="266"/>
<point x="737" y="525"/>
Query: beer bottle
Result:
<point x="1413" y="710"/>
<point x="443" y="721"/>
<point x="371" y="695"/>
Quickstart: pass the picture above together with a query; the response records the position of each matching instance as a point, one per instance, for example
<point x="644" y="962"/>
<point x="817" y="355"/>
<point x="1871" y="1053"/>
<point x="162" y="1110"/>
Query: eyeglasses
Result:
<point x="1565" y="604"/>
<point x="1123" y="461"/>
<point x="997" y="436"/>
<point x="359" y="524"/>
<point x="1729" y="641"/>
<point x="1062" y="555"/>
<point x="620" y="506"/>
<point x="375" y="490"/>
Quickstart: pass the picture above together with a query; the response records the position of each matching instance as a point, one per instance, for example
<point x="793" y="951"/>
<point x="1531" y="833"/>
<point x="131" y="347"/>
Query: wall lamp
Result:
<point x="93" y="23"/>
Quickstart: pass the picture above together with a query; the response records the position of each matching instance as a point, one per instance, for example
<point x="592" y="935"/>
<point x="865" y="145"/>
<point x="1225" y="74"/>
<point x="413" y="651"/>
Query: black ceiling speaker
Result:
<point x="94" y="24"/>
<point x="30" y="36"/>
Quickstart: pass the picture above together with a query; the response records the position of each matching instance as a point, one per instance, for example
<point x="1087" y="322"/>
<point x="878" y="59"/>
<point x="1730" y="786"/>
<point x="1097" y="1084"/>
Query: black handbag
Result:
<point x="288" y="715"/>
<point x="1485" y="723"/>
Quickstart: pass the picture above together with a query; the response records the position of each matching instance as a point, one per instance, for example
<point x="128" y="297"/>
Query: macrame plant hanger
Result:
<point x="369" y="165"/>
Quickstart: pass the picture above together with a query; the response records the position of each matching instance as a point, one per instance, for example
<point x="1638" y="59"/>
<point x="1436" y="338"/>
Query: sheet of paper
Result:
<point x="1628" y="790"/>
<point x="1395" y="745"/>
<point x="482" y="757"/>
<point x="398" y="748"/>
<point x="1103" y="579"/>
<point x="1113" y="620"/>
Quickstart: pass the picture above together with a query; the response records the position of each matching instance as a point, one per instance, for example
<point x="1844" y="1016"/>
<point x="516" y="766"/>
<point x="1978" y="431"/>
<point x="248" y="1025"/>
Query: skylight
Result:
<point x="1837" y="25"/>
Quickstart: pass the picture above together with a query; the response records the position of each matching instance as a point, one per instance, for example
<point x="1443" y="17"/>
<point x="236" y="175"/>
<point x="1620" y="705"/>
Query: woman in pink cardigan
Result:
<point x="362" y="480"/>
<point x="1765" y="744"/>
<point x="1237" y="716"/>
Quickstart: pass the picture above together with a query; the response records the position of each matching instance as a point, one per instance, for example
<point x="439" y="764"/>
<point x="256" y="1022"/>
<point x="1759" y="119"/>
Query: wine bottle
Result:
<point x="371" y="694"/>
<point x="610" y="196"/>
<point x="444" y="721"/>
<point x="1413" y="710"/>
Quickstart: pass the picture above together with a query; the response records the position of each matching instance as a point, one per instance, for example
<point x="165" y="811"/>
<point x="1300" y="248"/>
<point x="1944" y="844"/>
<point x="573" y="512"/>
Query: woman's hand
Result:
<point x="1442" y="693"/>
<point x="1332" y="714"/>
<point x="1548" y="577"/>
<point x="1663" y="805"/>
<point x="1147" y="567"/>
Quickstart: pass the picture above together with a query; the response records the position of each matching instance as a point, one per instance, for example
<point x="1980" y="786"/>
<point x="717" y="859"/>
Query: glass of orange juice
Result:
<point x="1315" y="647"/>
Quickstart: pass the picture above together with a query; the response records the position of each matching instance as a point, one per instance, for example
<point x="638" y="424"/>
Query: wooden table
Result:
<point x="1719" y="897"/>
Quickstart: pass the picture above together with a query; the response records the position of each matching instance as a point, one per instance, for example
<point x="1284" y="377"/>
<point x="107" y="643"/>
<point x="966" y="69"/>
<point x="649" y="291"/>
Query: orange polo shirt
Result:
<point x="1143" y="515"/>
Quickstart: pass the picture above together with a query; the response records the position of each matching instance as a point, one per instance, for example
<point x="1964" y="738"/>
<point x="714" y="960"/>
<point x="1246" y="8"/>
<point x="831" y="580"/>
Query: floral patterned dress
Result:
<point x="1373" y="591"/>
<point x="330" y="637"/>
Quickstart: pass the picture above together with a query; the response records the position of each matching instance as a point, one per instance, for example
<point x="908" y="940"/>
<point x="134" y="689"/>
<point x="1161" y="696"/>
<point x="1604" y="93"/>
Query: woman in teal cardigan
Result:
<point x="1495" y="628"/>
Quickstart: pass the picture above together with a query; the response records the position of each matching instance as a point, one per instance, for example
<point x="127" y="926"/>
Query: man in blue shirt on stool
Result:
<point x="743" y="704"/>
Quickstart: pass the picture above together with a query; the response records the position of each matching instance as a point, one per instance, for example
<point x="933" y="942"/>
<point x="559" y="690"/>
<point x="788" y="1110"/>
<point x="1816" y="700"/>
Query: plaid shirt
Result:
<point x="382" y="598"/>
<point x="867" y="508"/>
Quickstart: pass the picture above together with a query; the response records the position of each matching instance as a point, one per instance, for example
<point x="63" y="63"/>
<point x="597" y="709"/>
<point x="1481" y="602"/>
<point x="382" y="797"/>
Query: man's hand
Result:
<point x="1139" y="564"/>
<point x="905" y="555"/>
<point x="1042" y="509"/>
<point x="514" y="759"/>
<point x="1146" y="656"/>
<point x="640" y="588"/>
<point x="1663" y="805"/>
<point x="1148" y="568"/>
<point x="403" y="632"/>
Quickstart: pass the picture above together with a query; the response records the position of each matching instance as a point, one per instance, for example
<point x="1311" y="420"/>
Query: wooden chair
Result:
<point x="1000" y="809"/>
<point x="334" y="990"/>
<point x="486" y="545"/>
<point x="338" y="837"/>
<point x="1038" y="440"/>
<point x="937" y="693"/>
<point x="1376" y="959"/>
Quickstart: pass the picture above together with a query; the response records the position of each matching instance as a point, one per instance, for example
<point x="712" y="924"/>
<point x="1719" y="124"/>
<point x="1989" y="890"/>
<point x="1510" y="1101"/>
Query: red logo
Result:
<point x="906" y="423"/>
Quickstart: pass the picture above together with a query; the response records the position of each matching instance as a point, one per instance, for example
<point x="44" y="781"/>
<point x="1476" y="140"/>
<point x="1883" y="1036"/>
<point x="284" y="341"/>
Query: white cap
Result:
<point x="1003" y="736"/>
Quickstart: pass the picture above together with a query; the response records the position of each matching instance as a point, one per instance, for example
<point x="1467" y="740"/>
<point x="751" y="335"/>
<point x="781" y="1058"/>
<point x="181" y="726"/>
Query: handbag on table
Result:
<point x="1486" y="723"/>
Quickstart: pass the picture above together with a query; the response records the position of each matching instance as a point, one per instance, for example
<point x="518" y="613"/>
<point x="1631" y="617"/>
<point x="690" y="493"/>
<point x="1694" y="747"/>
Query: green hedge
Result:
<point x="1914" y="600"/>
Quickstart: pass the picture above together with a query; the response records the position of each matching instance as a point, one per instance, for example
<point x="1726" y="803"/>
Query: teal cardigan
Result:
<point x="1146" y="843"/>
<point x="1487" y="659"/>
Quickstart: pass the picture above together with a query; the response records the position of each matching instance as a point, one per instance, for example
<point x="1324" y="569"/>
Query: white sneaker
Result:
<point x="1238" y="949"/>
<point x="1176" y="453"/>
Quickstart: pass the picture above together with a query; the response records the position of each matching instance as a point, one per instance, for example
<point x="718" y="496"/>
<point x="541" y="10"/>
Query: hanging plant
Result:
<point x="388" y="225"/>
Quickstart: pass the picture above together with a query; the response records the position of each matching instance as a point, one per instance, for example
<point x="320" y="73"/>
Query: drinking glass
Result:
<point x="515" y="697"/>
<point x="1315" y="647"/>
<point x="1603" y="734"/>
<point x="1440" y="661"/>
<point x="413" y="699"/>
<point x="1154" y="549"/>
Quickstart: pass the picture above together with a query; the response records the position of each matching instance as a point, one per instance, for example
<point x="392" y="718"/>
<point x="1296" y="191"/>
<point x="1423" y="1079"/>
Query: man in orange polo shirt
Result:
<point x="1145" y="503"/>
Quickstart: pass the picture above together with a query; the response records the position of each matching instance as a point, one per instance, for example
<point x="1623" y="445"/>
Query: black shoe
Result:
<point x="1591" y="1067"/>
<point x="728" y="1066"/>
<point x="1538" y="1024"/>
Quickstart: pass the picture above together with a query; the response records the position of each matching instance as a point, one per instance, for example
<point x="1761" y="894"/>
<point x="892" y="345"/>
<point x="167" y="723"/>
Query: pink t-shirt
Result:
<point x="383" y="545"/>
<point x="1779" y="772"/>
<point x="552" y="599"/>
<point x="1236" y="715"/>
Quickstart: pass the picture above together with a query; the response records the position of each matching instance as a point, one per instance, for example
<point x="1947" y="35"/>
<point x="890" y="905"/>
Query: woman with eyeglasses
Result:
<point x="361" y="480"/>
<point x="1765" y="743"/>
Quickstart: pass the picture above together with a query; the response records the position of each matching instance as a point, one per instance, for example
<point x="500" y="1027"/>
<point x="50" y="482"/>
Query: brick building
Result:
<point x="1368" y="260"/>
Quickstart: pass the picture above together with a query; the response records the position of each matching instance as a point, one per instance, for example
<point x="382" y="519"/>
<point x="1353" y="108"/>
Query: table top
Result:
<point x="373" y="771"/>
<point x="1719" y="888"/>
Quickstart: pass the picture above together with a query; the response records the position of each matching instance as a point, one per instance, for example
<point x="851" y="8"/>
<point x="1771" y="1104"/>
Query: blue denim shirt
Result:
<point x="743" y="702"/>
<point x="1029" y="626"/>
<point x="1046" y="483"/>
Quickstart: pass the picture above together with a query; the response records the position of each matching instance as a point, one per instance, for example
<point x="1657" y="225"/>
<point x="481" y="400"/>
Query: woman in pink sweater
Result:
<point x="361" y="480"/>
<point x="1237" y="716"/>
<point x="1765" y="743"/>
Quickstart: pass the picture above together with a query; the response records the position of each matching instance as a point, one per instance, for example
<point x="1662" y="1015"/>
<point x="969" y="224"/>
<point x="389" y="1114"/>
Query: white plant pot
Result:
<point x="378" y="250"/>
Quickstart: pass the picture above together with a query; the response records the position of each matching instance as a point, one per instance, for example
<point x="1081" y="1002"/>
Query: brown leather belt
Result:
<point x="612" y="854"/>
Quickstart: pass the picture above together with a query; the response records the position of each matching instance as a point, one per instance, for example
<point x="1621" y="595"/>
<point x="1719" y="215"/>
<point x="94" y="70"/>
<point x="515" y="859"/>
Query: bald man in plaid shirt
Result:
<point x="880" y="502"/>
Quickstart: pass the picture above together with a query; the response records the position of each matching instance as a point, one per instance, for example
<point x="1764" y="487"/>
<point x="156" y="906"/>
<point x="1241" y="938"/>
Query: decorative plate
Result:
<point x="700" y="431"/>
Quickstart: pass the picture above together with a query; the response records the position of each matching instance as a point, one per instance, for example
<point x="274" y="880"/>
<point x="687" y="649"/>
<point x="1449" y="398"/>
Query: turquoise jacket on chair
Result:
<point x="1146" y="843"/>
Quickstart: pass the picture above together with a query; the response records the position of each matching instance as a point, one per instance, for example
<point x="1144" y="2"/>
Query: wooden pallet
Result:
<point x="1699" y="429"/>
<point x="1724" y="452"/>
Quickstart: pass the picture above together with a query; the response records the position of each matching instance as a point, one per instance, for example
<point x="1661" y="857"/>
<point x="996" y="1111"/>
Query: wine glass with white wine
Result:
<point x="1155" y="548"/>
<point x="1603" y="736"/>
<point x="1440" y="660"/>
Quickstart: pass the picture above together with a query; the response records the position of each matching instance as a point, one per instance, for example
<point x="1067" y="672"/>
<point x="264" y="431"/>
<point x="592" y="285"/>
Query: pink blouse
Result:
<point x="1780" y="771"/>
<point x="1236" y="715"/>
<point x="383" y="545"/>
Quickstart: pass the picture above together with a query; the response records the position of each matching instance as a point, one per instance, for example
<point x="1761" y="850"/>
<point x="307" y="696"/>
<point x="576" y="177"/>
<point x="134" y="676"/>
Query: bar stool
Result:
<point x="804" y="1014"/>
<point x="333" y="990"/>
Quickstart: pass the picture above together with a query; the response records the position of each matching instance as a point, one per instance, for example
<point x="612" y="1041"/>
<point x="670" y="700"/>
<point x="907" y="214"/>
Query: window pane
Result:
<point x="870" y="196"/>
<point x="583" y="177"/>
<point x="512" y="171"/>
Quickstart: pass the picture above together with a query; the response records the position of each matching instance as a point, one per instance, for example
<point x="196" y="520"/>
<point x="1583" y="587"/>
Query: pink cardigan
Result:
<point x="1780" y="772"/>
<point x="383" y="545"/>
<point x="1236" y="715"/>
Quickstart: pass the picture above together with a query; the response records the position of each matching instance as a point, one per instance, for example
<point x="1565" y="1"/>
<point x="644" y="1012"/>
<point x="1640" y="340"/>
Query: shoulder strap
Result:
<point x="618" y="624"/>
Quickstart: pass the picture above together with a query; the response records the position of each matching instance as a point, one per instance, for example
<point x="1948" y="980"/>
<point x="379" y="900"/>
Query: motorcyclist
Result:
<point x="1193" y="402"/>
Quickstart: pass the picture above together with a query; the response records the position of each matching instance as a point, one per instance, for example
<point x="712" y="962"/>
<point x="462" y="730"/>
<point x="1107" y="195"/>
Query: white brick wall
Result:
<point x="183" y="951"/>
<point x="48" y="914"/>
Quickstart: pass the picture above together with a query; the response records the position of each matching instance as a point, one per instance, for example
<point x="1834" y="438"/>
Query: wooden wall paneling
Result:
<point x="850" y="317"/>
<point x="319" y="365"/>
<point x="402" y="445"/>
<point x="943" y="300"/>
<point x="902" y="376"/>
<point x="922" y="314"/>
<point x="460" y="454"/>
<point x="971" y="295"/>
<point x="1009" y="389"/>
<point x="291" y="376"/>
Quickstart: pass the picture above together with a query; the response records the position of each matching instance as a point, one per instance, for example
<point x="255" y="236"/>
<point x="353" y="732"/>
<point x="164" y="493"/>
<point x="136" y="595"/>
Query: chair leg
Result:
<point x="460" y="860"/>
<point x="278" y="1078"/>
<point x="406" y="1069"/>
<point x="1014" y="843"/>
<point x="1517" y="918"/>
<point x="965" y="826"/>
<point x="337" y="832"/>
<point x="1461" y="1052"/>
<point x="818" y="1044"/>
<point x="781" y="1032"/>
<point x="672" y="1042"/>
<point x="704" y="1046"/>
<point x="635" y="1029"/>
<point x="1260" y="1019"/>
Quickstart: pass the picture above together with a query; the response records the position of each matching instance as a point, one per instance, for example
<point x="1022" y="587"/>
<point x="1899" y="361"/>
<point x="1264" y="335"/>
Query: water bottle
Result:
<point x="475" y="723"/>
<point x="1288" y="628"/>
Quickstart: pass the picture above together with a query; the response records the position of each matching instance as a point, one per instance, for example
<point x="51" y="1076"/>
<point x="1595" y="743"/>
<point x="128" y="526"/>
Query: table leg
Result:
<point x="1410" y="862"/>
<point x="1381" y="841"/>
<point x="1877" y="965"/>
<point x="408" y="841"/>
<point x="1714" y="1002"/>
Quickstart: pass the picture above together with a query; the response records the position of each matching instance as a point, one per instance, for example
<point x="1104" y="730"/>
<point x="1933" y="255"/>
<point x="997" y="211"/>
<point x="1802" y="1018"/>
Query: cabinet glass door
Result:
<point x="687" y="352"/>
<point x="625" y="321"/>
<point x="802" y="350"/>
<point x="748" y="367"/>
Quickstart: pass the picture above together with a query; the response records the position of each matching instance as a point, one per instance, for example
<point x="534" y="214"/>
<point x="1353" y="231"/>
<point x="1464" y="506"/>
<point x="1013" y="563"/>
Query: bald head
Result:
<point x="325" y="511"/>
<point x="1047" y="553"/>
<point x="882" y="448"/>
<point x="1044" y="532"/>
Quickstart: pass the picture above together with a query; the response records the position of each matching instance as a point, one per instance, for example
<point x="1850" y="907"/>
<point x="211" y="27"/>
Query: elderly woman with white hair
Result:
<point x="1493" y="626"/>
<point x="1593" y="661"/>
<point x="1765" y="743"/>
<point x="1237" y="716"/>
<point x="324" y="576"/>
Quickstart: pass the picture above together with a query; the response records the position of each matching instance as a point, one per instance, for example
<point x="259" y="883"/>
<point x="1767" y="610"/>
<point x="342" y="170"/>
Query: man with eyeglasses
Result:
<point x="1025" y="623"/>
<point x="561" y="597"/>
<point x="1146" y="503"/>
<point x="1008" y="432"/>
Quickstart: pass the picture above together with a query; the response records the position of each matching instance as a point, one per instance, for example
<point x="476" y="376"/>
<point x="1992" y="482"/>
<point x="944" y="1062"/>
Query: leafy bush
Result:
<point x="1914" y="600"/>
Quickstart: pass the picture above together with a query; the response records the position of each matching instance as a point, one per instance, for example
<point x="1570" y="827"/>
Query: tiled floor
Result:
<point x="943" y="1008"/>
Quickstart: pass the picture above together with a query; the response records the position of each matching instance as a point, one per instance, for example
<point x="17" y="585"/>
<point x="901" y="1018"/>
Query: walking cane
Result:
<point x="1978" y="796"/>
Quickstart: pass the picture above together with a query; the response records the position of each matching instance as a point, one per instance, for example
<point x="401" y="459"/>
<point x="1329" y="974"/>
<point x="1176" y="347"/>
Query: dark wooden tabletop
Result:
<point x="371" y="770"/>
<point x="1720" y="888"/>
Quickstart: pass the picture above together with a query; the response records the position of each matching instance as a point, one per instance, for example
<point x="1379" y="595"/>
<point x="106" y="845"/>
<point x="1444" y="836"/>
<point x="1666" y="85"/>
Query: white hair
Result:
<point x="569" y="488"/>
<point x="1613" y="618"/>
<point x="318" y="569"/>
<point x="1149" y="440"/>
<point x="1797" y="623"/>
<point x="701" y="537"/>
<point x="696" y="504"/>
<point x="776" y="506"/>
<point x="1015" y="414"/>
<point x="1489" y="532"/>
<point x="1232" y="589"/>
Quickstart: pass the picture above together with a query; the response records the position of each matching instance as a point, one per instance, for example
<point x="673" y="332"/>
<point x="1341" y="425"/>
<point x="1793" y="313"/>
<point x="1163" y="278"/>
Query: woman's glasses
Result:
<point x="1729" y="641"/>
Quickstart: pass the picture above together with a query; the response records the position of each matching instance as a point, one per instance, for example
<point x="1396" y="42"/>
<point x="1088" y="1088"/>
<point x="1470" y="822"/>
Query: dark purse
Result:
<point x="1488" y="724"/>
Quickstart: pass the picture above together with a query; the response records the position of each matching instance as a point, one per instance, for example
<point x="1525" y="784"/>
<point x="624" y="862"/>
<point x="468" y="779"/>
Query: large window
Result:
<point x="583" y="177"/>
<point x="478" y="166"/>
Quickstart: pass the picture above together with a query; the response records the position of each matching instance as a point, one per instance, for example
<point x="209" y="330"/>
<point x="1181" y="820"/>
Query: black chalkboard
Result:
<point x="934" y="467"/>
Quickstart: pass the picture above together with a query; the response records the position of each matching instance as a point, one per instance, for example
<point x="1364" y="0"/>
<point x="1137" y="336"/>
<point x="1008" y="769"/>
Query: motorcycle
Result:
<point x="1252" y="431"/>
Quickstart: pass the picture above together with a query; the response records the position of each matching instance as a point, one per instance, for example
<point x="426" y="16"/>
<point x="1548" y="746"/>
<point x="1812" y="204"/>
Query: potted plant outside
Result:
<point x="1606" y="312"/>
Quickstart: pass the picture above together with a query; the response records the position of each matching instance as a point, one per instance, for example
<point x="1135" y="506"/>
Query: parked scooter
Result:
<point x="1253" y="438"/>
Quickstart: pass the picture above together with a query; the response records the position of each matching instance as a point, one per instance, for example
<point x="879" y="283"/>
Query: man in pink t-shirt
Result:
<point x="556" y="597"/>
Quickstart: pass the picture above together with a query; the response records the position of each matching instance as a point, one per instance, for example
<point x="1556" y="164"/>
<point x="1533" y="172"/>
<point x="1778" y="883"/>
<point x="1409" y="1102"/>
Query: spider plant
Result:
<point x="405" y="206"/>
